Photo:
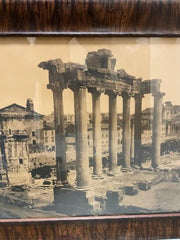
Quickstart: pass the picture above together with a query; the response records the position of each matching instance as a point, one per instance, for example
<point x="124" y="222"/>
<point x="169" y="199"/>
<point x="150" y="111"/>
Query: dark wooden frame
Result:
<point x="92" y="18"/>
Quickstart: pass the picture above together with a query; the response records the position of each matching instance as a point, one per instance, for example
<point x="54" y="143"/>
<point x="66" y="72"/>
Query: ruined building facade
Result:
<point x="20" y="134"/>
<point x="16" y="117"/>
<point x="14" y="158"/>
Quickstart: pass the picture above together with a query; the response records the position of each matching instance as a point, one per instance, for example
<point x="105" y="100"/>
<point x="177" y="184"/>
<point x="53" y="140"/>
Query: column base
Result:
<point x="136" y="166"/>
<point x="127" y="169"/>
<point x="64" y="184"/>
<point x="98" y="176"/>
<point x="83" y="188"/>
<point x="115" y="172"/>
<point x="155" y="166"/>
<point x="58" y="183"/>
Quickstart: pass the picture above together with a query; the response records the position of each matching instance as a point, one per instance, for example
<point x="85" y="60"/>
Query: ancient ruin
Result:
<point x="14" y="156"/>
<point x="99" y="76"/>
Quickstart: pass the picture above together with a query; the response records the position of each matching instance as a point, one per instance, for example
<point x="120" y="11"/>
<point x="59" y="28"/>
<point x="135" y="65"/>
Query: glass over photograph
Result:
<point x="89" y="126"/>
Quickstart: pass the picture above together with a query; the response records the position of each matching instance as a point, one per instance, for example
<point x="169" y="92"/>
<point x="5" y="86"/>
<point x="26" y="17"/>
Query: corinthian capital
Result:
<point x="126" y="95"/>
<point x="53" y="65"/>
<point x="56" y="87"/>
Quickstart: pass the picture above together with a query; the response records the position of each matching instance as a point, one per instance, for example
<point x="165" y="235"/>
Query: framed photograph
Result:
<point x="89" y="120"/>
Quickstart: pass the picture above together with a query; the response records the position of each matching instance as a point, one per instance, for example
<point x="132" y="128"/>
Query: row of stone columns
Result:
<point x="82" y="159"/>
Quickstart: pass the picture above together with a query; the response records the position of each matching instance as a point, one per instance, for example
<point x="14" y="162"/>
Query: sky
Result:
<point x="147" y="58"/>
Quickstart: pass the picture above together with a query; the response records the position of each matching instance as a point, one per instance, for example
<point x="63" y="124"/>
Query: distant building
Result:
<point x="175" y="109"/>
<point x="167" y="117"/>
<point x="170" y="121"/>
<point x="49" y="118"/>
<point x="70" y="132"/>
<point x="104" y="117"/>
<point x="147" y="121"/>
<point x="175" y="127"/>
<point x="16" y="117"/>
<point x="69" y="118"/>
<point x="147" y="118"/>
<point x="48" y="134"/>
<point x="104" y="134"/>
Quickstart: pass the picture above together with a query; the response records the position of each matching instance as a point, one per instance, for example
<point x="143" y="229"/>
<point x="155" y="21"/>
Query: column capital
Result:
<point x="56" y="65"/>
<point x="126" y="95"/>
<point x="111" y="93"/>
<point x="76" y="86"/>
<point x="95" y="91"/>
<point x="138" y="95"/>
<point x="82" y="87"/>
<point x="55" y="87"/>
<point x="158" y="94"/>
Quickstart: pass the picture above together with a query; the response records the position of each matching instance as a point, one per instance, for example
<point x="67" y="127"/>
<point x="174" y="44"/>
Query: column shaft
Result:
<point x="82" y="161"/>
<point x="156" y="134"/>
<point x="112" y="132"/>
<point x="97" y="155"/>
<point x="60" y="137"/>
<point x="138" y="129"/>
<point x="76" y="109"/>
<point x="132" y="140"/>
<point x="126" y="130"/>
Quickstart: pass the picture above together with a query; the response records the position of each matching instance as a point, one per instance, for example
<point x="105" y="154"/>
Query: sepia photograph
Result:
<point x="89" y="126"/>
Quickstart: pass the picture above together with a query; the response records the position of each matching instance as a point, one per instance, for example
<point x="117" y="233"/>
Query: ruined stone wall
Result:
<point x="17" y="157"/>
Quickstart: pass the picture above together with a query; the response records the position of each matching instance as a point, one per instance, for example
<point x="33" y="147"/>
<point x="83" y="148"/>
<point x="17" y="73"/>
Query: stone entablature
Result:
<point x="96" y="75"/>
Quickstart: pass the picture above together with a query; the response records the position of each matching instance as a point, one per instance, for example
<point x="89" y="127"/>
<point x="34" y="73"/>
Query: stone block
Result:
<point x="3" y="184"/>
<point x="112" y="201"/>
<point x="144" y="186"/>
<point x="175" y="178"/>
<point x="178" y="172"/>
<point x="130" y="190"/>
<point x="102" y="59"/>
<point x="73" y="201"/>
<point x="100" y="199"/>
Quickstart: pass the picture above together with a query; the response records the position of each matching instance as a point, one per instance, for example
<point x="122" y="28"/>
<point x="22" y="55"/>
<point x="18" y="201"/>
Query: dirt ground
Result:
<point x="162" y="197"/>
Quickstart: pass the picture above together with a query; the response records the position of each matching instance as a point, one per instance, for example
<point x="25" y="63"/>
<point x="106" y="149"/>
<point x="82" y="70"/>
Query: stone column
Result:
<point x="97" y="154"/>
<point x="60" y="136"/>
<point x="169" y="129"/>
<point x="138" y="129"/>
<point x="57" y="84"/>
<point x="132" y="140"/>
<point x="112" y="131"/>
<point x="156" y="133"/>
<point x="82" y="160"/>
<point x="126" y="130"/>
